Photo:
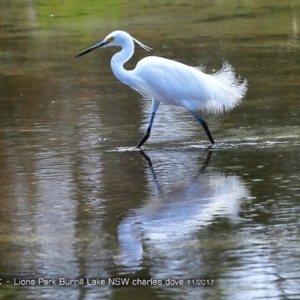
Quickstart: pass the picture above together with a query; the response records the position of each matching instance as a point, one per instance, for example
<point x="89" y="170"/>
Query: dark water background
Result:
<point x="75" y="203"/>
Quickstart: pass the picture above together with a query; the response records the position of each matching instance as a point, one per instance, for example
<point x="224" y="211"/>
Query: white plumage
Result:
<point x="174" y="83"/>
<point x="187" y="86"/>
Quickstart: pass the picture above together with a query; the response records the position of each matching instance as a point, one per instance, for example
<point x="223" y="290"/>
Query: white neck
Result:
<point x="120" y="58"/>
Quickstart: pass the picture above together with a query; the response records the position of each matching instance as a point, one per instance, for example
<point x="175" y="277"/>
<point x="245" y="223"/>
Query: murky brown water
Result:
<point x="75" y="203"/>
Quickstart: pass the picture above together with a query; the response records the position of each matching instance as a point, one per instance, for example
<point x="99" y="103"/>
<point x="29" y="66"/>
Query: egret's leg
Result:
<point x="204" y="125"/>
<point x="155" y="105"/>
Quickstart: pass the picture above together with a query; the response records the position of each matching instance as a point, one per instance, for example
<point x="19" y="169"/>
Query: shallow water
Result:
<point x="77" y="202"/>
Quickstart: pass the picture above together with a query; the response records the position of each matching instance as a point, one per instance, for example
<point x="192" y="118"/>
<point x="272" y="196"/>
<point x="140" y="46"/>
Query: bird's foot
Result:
<point x="137" y="148"/>
<point x="210" y="146"/>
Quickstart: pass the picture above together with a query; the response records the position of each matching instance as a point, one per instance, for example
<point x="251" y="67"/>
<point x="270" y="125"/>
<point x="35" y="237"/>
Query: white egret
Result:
<point x="174" y="83"/>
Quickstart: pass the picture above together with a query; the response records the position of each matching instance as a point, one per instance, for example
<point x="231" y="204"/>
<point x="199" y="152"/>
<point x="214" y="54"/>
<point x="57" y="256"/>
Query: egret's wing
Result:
<point x="174" y="83"/>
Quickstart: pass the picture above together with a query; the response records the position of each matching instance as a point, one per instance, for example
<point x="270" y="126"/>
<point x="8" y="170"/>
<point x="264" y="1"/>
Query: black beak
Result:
<point x="92" y="48"/>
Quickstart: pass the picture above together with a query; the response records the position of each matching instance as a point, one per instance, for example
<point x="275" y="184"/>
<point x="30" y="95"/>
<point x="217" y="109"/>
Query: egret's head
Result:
<point x="116" y="38"/>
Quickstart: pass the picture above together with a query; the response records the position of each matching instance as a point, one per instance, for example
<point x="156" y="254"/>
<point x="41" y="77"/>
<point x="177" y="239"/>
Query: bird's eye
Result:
<point x="111" y="39"/>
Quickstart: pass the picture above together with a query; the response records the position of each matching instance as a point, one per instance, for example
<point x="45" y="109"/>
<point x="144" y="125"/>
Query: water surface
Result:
<point x="76" y="202"/>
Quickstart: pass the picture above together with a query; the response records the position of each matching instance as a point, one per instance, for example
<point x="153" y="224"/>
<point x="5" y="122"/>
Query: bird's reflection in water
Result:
<point x="162" y="230"/>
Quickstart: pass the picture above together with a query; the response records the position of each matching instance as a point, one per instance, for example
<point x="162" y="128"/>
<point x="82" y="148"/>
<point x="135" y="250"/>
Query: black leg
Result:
<point x="155" y="105"/>
<point x="204" y="125"/>
<point x="147" y="134"/>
